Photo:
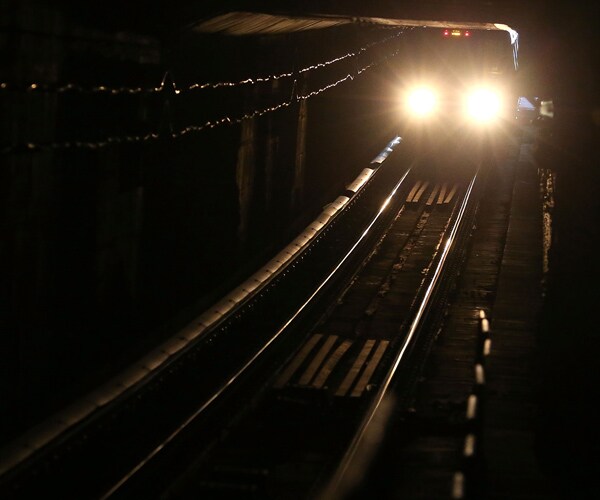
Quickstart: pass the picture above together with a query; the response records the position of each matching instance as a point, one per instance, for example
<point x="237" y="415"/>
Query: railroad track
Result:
<point x="430" y="442"/>
<point x="329" y="382"/>
<point x="328" y="392"/>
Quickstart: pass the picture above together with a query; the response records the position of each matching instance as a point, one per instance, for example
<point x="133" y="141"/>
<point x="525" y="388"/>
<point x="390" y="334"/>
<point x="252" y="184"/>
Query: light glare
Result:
<point x="421" y="101"/>
<point x="483" y="104"/>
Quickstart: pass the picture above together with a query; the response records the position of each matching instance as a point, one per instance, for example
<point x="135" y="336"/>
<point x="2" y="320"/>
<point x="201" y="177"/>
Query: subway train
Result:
<point x="457" y="89"/>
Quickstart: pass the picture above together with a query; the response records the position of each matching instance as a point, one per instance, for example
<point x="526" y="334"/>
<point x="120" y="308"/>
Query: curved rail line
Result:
<point x="379" y="409"/>
<point x="328" y="377"/>
<point x="220" y="392"/>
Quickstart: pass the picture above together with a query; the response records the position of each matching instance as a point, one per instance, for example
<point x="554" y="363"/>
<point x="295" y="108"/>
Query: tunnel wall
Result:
<point x="108" y="249"/>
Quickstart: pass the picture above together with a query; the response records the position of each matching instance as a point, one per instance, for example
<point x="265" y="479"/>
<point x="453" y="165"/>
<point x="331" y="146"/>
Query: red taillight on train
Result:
<point x="456" y="33"/>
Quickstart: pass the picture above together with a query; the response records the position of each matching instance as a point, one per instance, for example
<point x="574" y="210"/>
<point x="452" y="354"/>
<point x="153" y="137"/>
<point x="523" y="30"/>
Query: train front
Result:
<point x="456" y="94"/>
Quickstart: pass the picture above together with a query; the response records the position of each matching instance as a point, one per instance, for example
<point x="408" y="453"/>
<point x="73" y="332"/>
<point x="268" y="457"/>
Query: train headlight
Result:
<point x="421" y="101"/>
<point x="483" y="105"/>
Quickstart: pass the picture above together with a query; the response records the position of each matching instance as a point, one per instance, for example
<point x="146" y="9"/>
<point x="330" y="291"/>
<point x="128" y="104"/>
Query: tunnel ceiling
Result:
<point x="236" y="19"/>
<point x="256" y="23"/>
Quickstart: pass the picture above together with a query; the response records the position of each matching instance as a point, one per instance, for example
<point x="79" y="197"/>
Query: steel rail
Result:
<point x="243" y="369"/>
<point x="379" y="408"/>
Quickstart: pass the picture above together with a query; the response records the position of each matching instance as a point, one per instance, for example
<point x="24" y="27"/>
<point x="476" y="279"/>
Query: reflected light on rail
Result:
<point x="483" y="105"/>
<point x="421" y="101"/>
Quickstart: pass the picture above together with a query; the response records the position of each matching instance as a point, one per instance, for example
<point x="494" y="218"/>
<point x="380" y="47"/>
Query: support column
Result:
<point x="300" y="158"/>
<point x="244" y="176"/>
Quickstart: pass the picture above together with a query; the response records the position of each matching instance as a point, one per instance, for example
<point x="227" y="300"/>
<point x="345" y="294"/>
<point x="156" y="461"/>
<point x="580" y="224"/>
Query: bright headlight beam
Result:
<point x="483" y="105"/>
<point x="421" y="101"/>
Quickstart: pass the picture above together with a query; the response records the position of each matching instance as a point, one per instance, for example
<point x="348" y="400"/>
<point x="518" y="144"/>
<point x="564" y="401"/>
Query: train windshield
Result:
<point x="462" y="55"/>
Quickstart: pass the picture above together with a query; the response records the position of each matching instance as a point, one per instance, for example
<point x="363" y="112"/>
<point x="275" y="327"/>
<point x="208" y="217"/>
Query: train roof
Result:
<point x="262" y="24"/>
<point x="257" y="23"/>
